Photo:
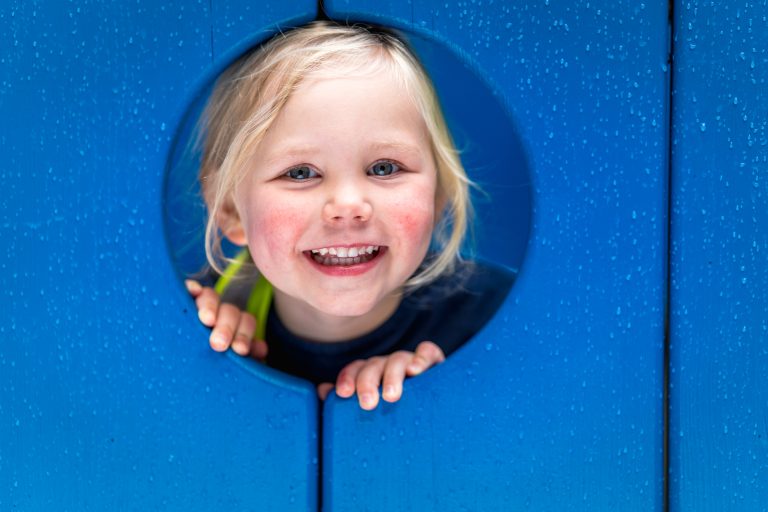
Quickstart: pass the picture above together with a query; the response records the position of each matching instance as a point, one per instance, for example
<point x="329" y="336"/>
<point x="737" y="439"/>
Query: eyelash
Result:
<point x="311" y="173"/>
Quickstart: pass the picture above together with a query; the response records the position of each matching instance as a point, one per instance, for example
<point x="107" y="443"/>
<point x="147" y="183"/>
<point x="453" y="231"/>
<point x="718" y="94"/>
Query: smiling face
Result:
<point x="346" y="168"/>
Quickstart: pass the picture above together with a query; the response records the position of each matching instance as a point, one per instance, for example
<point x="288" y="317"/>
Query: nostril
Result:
<point x="358" y="211"/>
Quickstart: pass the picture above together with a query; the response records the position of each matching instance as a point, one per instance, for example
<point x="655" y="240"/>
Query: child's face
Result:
<point x="346" y="166"/>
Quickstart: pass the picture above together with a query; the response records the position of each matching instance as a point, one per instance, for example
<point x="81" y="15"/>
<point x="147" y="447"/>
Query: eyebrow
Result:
<point x="290" y="153"/>
<point x="300" y="152"/>
<point x="397" y="146"/>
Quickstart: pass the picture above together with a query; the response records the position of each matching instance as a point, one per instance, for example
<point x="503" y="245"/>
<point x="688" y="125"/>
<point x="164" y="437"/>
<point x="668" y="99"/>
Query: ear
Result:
<point x="236" y="235"/>
<point x="231" y="226"/>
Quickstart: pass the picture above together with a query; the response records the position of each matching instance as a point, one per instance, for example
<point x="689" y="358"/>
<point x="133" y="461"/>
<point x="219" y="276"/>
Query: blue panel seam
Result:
<point x="210" y="14"/>
<point x="668" y="270"/>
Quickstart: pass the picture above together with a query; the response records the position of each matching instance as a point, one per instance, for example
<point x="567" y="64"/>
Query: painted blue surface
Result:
<point x="557" y="404"/>
<point x="110" y="398"/>
<point x="719" y="295"/>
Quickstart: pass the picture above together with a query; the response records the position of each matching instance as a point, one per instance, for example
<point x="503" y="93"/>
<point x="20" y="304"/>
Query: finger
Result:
<point x="226" y="325"/>
<point x="345" y="382"/>
<point x="259" y="349"/>
<point x="323" y="390"/>
<point x="207" y="303"/>
<point x="368" y="381"/>
<point x="193" y="287"/>
<point x="241" y="342"/>
<point x="427" y="355"/>
<point x="394" y="375"/>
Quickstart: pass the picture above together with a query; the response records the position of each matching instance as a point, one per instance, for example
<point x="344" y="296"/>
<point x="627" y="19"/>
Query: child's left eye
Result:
<point x="383" y="168"/>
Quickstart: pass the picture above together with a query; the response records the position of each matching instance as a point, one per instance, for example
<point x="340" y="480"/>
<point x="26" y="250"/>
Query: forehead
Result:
<point x="347" y="120"/>
<point x="369" y="100"/>
<point x="367" y="66"/>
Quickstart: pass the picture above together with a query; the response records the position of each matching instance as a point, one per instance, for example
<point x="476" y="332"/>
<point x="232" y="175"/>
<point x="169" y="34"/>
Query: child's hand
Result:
<point x="231" y="327"/>
<point x="365" y="376"/>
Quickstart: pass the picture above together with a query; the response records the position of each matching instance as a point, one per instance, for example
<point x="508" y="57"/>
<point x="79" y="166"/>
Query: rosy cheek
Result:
<point x="415" y="224"/>
<point x="272" y="232"/>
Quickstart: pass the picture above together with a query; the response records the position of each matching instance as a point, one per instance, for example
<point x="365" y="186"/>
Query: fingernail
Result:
<point x="367" y="400"/>
<point x="192" y="286"/>
<point x="389" y="391"/>
<point x="205" y="316"/>
<point x="218" y="340"/>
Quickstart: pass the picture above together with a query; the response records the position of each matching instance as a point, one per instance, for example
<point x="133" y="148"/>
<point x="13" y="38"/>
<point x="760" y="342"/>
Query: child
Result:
<point x="326" y="154"/>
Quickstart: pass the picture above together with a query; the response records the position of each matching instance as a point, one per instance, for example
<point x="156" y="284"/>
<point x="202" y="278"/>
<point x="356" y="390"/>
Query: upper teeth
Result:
<point x="346" y="252"/>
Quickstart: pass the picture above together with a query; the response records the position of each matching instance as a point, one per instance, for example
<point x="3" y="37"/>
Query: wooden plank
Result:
<point x="719" y="295"/>
<point x="557" y="404"/>
<point x="110" y="398"/>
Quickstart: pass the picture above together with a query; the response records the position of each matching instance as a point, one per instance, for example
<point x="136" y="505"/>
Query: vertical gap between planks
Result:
<point x="668" y="271"/>
<point x="210" y="14"/>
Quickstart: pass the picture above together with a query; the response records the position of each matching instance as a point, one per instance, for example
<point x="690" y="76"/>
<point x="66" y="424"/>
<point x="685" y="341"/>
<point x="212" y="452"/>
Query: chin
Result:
<point x="346" y="310"/>
<point x="352" y="305"/>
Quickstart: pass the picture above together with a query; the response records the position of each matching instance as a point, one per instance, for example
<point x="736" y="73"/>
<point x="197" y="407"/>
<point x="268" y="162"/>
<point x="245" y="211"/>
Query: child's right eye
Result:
<point x="301" y="173"/>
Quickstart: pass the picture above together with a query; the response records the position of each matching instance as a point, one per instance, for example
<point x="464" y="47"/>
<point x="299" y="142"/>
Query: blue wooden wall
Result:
<point x="111" y="399"/>
<point x="719" y="258"/>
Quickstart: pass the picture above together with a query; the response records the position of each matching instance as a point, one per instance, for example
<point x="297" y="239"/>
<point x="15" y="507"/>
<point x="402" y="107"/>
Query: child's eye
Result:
<point x="383" y="168"/>
<point x="301" y="173"/>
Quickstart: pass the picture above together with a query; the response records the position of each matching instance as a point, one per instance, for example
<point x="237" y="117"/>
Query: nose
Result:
<point x="347" y="204"/>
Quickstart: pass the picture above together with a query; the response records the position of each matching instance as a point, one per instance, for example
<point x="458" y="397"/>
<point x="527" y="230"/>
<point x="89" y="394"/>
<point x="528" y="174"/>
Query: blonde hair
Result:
<point x="251" y="92"/>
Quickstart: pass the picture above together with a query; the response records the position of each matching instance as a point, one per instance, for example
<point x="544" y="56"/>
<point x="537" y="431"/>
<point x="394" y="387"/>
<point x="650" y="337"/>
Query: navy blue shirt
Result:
<point x="447" y="312"/>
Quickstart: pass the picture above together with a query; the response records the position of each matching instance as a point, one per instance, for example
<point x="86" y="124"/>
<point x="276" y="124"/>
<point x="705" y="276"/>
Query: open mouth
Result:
<point x="345" y="256"/>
